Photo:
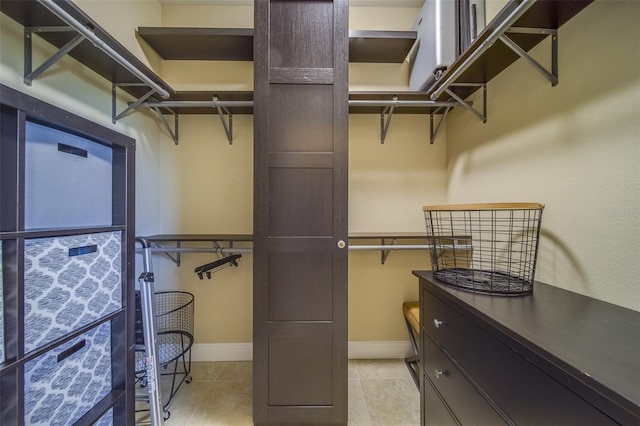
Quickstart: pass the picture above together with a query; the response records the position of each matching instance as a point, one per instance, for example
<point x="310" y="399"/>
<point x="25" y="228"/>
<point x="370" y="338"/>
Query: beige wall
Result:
<point x="574" y="147"/>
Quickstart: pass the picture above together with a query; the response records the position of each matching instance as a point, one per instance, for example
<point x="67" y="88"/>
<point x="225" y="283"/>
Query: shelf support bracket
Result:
<point x="173" y="133"/>
<point x="384" y="123"/>
<point x="469" y="105"/>
<point x="132" y="105"/>
<point x="228" y="124"/>
<point x="552" y="75"/>
<point x="29" y="73"/>
<point x="385" y="253"/>
<point x="434" y="132"/>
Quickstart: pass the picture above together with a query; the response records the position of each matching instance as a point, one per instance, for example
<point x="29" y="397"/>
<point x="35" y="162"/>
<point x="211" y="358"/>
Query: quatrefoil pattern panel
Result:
<point x="69" y="283"/>
<point x="66" y="382"/>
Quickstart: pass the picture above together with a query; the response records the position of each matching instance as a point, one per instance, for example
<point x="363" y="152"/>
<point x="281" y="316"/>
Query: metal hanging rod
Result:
<point x="96" y="41"/>
<point x="352" y="102"/>
<point x="198" y="104"/>
<point x="493" y="37"/>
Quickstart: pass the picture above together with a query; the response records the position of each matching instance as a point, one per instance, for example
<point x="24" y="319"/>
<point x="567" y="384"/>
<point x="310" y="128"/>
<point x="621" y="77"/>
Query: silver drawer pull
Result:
<point x="439" y="373"/>
<point x="437" y="323"/>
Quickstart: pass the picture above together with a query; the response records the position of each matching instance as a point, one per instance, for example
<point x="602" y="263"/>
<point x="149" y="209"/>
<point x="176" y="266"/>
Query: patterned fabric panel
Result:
<point x="66" y="382"/>
<point x="69" y="283"/>
<point x="106" y="420"/>
<point x="1" y="311"/>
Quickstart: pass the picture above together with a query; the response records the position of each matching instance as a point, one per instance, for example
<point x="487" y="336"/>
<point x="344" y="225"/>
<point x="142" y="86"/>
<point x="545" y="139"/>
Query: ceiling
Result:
<point x="353" y="3"/>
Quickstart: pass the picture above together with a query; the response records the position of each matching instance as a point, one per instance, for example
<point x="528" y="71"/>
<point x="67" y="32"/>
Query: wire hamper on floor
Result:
<point x="174" y="313"/>
<point x="488" y="248"/>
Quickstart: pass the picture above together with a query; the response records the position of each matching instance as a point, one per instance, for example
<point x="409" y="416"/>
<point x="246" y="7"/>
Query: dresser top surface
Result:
<point x="595" y="341"/>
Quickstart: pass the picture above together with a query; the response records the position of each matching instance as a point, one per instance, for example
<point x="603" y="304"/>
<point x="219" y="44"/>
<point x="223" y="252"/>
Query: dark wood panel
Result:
<point x="303" y="36"/>
<point x="9" y="132"/>
<point x="236" y="44"/>
<point x="300" y="202"/>
<point x="300" y="365"/>
<point x="301" y="75"/>
<point x="301" y="118"/>
<point x="205" y="44"/>
<point x="301" y="159"/>
<point x="300" y="287"/>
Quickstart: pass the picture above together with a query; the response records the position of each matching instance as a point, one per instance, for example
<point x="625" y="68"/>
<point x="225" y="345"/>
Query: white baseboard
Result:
<point x="379" y="349"/>
<point x="222" y="352"/>
<point x="244" y="351"/>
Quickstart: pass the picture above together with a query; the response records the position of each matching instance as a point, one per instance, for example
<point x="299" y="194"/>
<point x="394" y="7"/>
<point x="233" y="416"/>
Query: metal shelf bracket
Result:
<point x="552" y="75"/>
<point x="469" y="105"/>
<point x="228" y="124"/>
<point x="29" y="73"/>
<point x="433" y="133"/>
<point x="176" y="123"/>
<point x="384" y="122"/>
<point x="132" y="105"/>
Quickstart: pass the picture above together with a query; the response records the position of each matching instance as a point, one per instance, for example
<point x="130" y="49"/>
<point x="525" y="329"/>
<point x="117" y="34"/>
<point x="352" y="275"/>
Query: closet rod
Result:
<point x="198" y="104"/>
<point x="353" y="102"/>
<point x="352" y="247"/>
<point x="96" y="41"/>
<point x="520" y="10"/>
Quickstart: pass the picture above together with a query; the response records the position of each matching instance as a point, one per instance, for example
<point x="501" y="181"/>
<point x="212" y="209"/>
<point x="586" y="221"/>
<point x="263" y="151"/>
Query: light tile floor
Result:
<point x="381" y="392"/>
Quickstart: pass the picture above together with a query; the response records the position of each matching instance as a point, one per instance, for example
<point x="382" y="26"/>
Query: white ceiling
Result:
<point x="355" y="3"/>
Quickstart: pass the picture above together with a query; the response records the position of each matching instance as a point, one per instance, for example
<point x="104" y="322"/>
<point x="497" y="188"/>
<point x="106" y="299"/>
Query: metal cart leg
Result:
<point x="146" y="281"/>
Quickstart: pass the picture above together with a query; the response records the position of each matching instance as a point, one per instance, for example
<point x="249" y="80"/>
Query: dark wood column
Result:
<point x="300" y="219"/>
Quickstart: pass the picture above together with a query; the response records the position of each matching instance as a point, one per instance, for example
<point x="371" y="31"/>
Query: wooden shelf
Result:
<point x="200" y="44"/>
<point x="33" y="14"/>
<point x="236" y="44"/>
<point x="544" y="14"/>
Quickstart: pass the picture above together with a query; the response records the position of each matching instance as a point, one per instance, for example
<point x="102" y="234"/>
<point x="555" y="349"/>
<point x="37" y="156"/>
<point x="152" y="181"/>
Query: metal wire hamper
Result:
<point x="487" y="248"/>
<point x="174" y="330"/>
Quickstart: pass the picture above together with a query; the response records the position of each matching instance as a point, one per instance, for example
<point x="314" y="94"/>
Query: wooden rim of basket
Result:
<point x="485" y="206"/>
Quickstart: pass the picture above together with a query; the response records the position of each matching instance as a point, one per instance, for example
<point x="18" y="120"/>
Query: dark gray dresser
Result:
<point x="551" y="358"/>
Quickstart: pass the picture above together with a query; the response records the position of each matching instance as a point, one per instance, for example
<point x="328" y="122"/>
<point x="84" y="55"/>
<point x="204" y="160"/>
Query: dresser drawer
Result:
<point x="433" y="411"/>
<point x="68" y="180"/>
<point x="66" y="382"/>
<point x="462" y="398"/>
<point x="69" y="283"/>
<point x="524" y="392"/>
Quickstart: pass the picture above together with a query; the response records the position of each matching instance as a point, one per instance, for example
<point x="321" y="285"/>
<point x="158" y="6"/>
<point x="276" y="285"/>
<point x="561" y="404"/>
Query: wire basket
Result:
<point x="486" y="248"/>
<point x="174" y="327"/>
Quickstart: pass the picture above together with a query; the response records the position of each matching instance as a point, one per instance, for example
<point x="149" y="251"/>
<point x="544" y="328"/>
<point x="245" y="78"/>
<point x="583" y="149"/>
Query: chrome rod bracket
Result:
<point x="552" y="75"/>
<point x="228" y="123"/>
<point x="469" y="105"/>
<point x="384" y="122"/>
<point x="29" y="73"/>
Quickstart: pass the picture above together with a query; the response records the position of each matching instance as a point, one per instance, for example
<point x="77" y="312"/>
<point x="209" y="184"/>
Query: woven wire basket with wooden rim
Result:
<point x="488" y="248"/>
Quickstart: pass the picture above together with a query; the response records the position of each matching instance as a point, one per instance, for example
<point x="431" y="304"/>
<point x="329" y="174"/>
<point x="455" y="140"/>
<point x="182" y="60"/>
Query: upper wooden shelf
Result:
<point x="543" y="14"/>
<point x="32" y="14"/>
<point x="236" y="44"/>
